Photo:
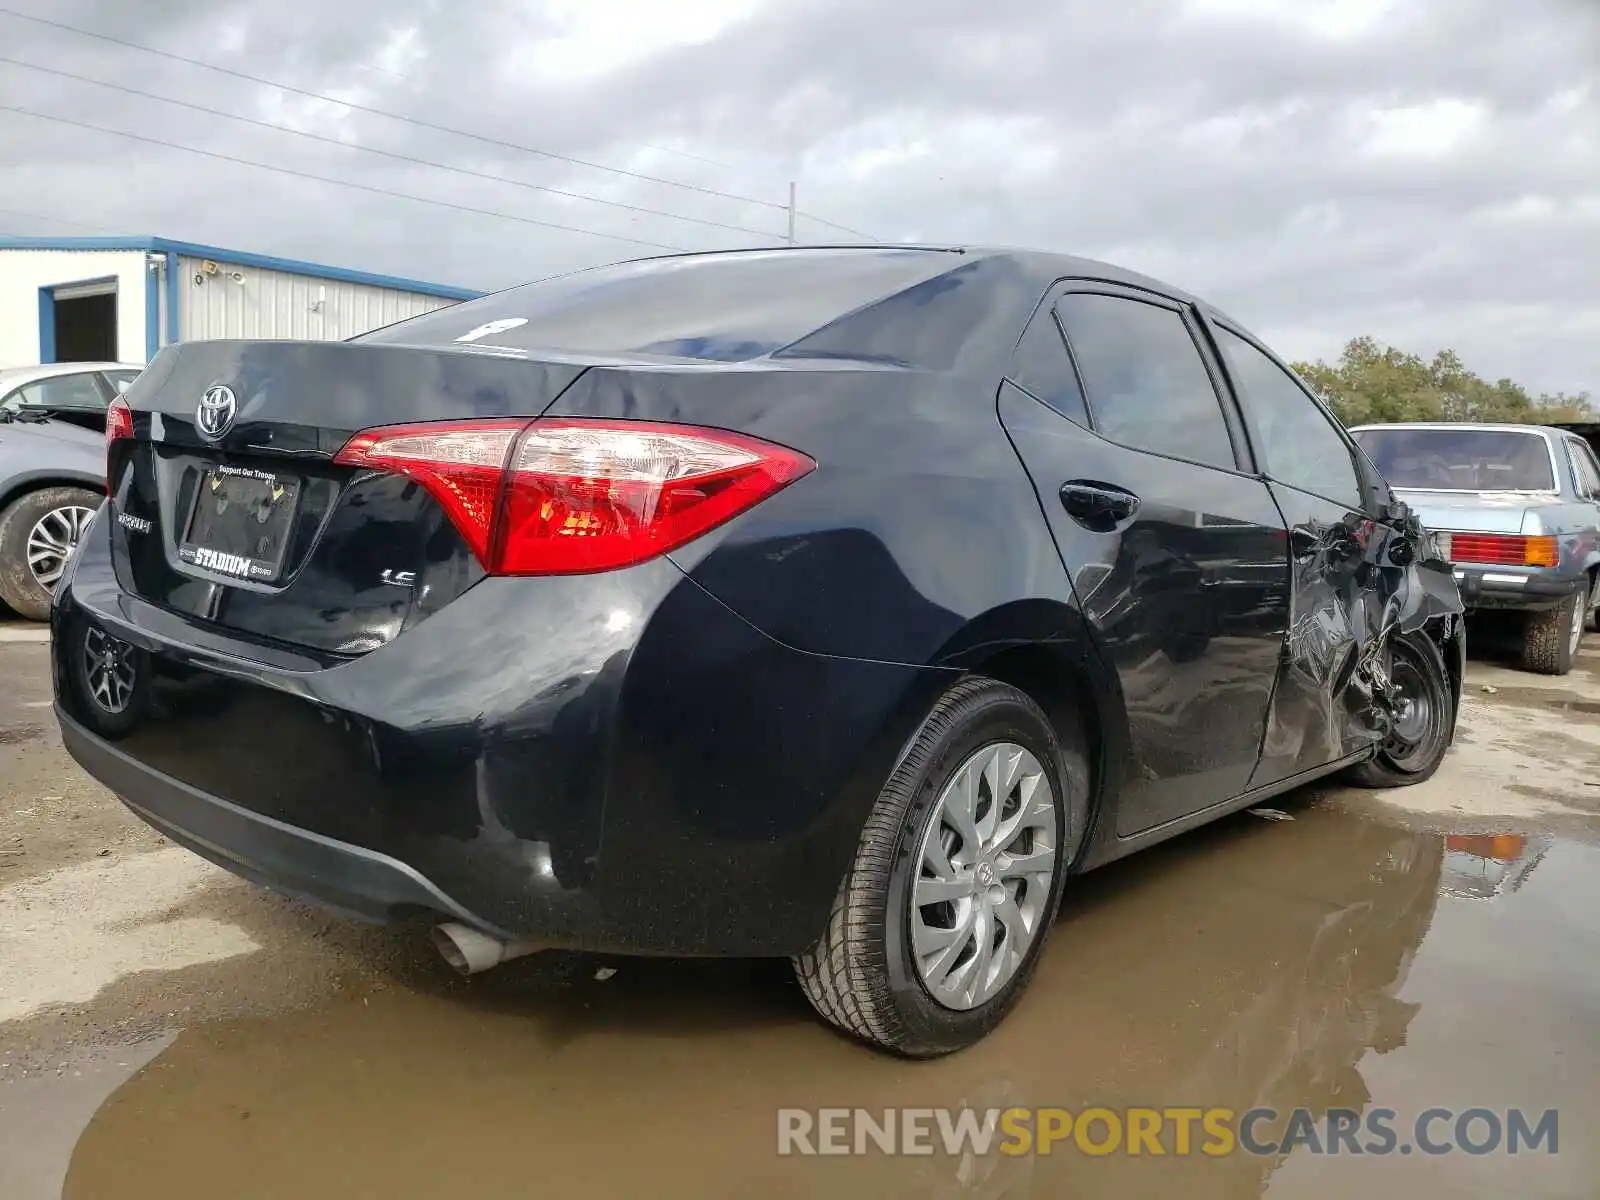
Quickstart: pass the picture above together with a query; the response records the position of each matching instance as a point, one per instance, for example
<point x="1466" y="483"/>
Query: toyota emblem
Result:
<point x="214" y="416"/>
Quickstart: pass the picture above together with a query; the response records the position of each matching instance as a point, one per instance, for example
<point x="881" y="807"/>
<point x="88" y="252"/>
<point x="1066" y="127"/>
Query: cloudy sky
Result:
<point x="1427" y="171"/>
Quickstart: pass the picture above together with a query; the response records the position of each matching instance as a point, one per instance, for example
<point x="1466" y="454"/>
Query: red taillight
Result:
<point x="1503" y="550"/>
<point x="563" y="496"/>
<point x="119" y="427"/>
<point x="461" y="465"/>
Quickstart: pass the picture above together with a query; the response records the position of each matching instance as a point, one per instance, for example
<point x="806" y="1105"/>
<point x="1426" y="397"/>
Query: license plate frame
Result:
<point x="241" y="523"/>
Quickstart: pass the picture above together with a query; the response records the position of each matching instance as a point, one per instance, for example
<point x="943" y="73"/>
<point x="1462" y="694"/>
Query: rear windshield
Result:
<point x="1460" y="460"/>
<point x="717" y="306"/>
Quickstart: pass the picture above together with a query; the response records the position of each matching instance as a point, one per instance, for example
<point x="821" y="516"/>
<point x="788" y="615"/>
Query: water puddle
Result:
<point x="43" y="1110"/>
<point x="1332" y="960"/>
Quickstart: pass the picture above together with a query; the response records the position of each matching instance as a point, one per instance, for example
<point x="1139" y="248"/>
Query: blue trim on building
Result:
<point x="172" y="298"/>
<point x="152" y="312"/>
<point x="240" y="258"/>
<point x="47" y="325"/>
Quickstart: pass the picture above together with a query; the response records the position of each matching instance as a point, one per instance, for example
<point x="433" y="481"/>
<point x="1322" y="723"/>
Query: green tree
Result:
<point x="1374" y="383"/>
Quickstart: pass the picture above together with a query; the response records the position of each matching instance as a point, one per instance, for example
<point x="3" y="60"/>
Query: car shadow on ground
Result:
<point x="575" y="995"/>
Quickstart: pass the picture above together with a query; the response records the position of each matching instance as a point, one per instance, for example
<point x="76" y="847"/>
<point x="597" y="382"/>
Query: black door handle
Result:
<point x="1099" y="507"/>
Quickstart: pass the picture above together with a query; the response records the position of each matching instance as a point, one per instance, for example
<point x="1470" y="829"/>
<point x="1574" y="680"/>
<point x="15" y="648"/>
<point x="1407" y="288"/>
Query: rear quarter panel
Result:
<point x="917" y="542"/>
<point x="917" y="522"/>
<point x="1576" y="524"/>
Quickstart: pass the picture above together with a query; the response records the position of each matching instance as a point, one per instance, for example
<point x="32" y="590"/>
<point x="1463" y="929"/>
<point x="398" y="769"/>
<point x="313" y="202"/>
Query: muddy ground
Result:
<point x="168" y="1031"/>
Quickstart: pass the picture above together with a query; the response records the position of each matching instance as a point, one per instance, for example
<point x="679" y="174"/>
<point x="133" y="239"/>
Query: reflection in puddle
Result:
<point x="41" y="1114"/>
<point x="1486" y="864"/>
<point x="1307" y="963"/>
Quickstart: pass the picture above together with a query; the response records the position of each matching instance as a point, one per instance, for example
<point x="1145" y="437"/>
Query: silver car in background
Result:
<point x="1516" y="508"/>
<point x="74" y="392"/>
<point x="52" y="471"/>
<point x="52" y="479"/>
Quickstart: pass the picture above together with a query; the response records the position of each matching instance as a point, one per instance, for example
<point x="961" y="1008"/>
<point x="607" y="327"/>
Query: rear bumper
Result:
<point x="336" y="875"/>
<point x="614" y="762"/>
<point x="1508" y="588"/>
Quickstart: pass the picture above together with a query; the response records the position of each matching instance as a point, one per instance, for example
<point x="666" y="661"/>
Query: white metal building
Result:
<point x="123" y="298"/>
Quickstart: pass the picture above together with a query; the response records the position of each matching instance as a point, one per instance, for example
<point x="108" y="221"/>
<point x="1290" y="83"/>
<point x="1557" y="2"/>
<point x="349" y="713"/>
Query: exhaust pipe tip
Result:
<point x="469" y="951"/>
<point x="465" y="949"/>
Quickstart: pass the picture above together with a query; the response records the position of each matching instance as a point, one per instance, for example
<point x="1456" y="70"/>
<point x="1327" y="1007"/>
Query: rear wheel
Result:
<point x="939" y="923"/>
<point x="1550" y="641"/>
<point x="38" y="534"/>
<point x="1423" y="720"/>
<point x="111" y="678"/>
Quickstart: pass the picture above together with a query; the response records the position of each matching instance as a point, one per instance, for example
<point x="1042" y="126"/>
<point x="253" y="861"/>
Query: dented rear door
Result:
<point x="1341" y="576"/>
<point x="1332" y="611"/>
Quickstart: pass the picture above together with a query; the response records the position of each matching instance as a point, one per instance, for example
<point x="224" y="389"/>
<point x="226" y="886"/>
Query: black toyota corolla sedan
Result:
<point x="839" y="604"/>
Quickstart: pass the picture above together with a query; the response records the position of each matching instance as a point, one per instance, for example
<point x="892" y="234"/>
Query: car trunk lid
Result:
<point x="1476" y="512"/>
<point x="228" y="504"/>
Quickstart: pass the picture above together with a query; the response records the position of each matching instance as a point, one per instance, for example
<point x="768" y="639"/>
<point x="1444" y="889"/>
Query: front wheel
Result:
<point x="1424" y="718"/>
<point x="939" y="923"/>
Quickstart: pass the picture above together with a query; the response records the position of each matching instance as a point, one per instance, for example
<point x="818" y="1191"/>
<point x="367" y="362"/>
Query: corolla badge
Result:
<point x="214" y="416"/>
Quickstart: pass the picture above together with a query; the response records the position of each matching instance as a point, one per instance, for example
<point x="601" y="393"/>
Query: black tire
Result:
<point x="860" y="976"/>
<point x="21" y="592"/>
<point x="1548" y="647"/>
<point x="1400" y="762"/>
<point x="1593" y="624"/>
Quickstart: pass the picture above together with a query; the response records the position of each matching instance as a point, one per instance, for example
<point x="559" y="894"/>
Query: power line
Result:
<point x="417" y="121"/>
<point x="699" y="158"/>
<point x="803" y="215"/>
<point x="712" y="162"/>
<point x="364" y="187"/>
<point x="406" y="158"/>
<point x="378" y="112"/>
<point x="17" y="212"/>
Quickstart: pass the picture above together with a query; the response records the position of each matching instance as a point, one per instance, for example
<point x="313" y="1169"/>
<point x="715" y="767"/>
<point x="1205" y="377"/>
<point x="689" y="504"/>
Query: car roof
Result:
<point x="1486" y="426"/>
<point x="961" y="309"/>
<point x="12" y="376"/>
<point x="1043" y="266"/>
<point x="1059" y="266"/>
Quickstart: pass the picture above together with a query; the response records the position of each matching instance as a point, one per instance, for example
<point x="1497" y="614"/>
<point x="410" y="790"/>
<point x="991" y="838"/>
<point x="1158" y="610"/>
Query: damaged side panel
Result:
<point x="1356" y="584"/>
<point x="1406" y="585"/>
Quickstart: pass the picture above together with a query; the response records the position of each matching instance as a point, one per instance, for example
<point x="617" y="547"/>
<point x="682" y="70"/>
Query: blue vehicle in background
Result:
<point x="1516" y="508"/>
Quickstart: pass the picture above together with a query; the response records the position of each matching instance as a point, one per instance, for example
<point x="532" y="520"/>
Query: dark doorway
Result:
<point x="86" y="328"/>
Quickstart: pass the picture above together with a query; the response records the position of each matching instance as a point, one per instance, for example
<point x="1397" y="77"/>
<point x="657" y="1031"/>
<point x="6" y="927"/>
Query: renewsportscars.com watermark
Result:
<point x="1213" y="1132"/>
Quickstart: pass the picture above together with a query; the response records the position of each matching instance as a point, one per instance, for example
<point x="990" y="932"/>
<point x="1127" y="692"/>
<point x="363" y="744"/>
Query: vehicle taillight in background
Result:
<point x="564" y="496"/>
<point x="1499" y="550"/>
<point x="119" y="427"/>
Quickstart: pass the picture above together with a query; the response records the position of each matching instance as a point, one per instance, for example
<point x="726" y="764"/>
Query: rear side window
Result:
<point x="1146" y="383"/>
<point x="1042" y="368"/>
<point x="1299" y="446"/>
<point x="121" y="381"/>
<point x="61" y="391"/>
<point x="727" y="307"/>
<point x="1584" y="468"/>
